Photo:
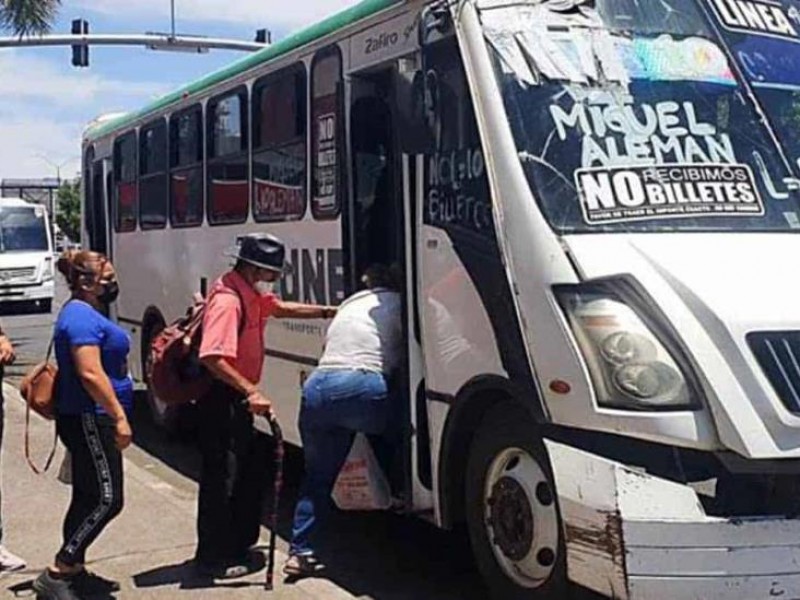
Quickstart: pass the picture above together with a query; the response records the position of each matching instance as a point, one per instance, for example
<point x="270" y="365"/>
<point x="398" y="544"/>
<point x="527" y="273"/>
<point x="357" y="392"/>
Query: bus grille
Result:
<point x="24" y="273"/>
<point x="778" y="353"/>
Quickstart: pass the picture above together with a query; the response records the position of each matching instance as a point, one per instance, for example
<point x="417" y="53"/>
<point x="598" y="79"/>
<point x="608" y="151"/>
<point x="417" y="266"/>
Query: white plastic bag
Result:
<point x="361" y="484"/>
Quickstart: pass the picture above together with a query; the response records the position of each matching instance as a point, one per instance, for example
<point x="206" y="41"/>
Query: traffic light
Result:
<point x="80" y="52"/>
<point x="263" y="36"/>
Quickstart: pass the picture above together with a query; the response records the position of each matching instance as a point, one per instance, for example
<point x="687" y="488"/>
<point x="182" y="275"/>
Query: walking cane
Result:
<point x="272" y="521"/>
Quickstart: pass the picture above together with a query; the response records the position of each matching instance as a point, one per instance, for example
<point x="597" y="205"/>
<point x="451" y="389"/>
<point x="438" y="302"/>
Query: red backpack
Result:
<point x="175" y="373"/>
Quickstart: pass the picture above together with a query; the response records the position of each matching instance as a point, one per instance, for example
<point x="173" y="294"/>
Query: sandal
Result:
<point x="302" y="565"/>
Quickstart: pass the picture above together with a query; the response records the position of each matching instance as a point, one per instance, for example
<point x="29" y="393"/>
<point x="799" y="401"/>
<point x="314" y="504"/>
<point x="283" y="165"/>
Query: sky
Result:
<point x="45" y="102"/>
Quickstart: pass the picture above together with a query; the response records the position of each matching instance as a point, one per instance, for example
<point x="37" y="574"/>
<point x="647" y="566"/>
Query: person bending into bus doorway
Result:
<point x="8" y="560"/>
<point x="234" y="470"/>
<point x="349" y="392"/>
<point x="93" y="399"/>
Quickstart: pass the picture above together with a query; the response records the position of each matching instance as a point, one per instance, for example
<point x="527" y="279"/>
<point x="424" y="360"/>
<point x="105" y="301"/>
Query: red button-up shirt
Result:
<point x="223" y="321"/>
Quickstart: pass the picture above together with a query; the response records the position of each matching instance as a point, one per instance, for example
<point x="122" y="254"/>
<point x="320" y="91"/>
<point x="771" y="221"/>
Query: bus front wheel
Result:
<point x="512" y="509"/>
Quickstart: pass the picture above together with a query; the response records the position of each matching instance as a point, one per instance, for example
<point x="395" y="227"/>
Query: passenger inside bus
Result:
<point x="373" y="156"/>
<point x="349" y="392"/>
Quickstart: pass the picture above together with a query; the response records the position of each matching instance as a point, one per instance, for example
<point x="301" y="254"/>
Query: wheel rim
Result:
<point x="520" y="517"/>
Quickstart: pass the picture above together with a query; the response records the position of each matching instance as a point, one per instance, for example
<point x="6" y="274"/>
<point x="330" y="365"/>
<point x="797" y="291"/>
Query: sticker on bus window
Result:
<point x="759" y="17"/>
<point x="667" y="59"/>
<point x="325" y="192"/>
<point x="616" y="195"/>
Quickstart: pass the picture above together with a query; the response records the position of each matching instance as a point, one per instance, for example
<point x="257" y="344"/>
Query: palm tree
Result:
<point x="28" y="17"/>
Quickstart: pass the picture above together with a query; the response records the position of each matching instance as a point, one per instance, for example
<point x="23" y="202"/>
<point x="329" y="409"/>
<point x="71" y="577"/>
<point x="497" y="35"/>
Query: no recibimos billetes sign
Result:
<point x="623" y="194"/>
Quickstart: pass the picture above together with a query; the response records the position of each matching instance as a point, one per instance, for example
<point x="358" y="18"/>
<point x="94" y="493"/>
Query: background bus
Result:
<point x="26" y="254"/>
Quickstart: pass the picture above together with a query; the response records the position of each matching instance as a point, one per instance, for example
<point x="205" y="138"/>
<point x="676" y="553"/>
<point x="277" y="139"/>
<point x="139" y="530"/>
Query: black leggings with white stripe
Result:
<point x="96" y="482"/>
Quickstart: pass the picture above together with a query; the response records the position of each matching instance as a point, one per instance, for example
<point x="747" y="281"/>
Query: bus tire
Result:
<point x="512" y="509"/>
<point x="164" y="416"/>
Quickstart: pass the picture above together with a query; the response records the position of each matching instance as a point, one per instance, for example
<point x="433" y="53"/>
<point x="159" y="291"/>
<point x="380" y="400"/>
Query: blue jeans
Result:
<point x="336" y="404"/>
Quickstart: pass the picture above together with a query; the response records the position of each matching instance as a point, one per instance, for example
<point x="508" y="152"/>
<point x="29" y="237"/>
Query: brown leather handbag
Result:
<point x="38" y="389"/>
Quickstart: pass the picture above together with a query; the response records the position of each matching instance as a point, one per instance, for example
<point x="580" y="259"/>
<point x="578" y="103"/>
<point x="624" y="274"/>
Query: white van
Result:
<point x="26" y="254"/>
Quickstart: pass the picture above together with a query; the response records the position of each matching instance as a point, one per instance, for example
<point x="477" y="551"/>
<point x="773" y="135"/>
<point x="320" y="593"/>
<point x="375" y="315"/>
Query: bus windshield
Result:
<point x="766" y="46"/>
<point x="628" y="116"/>
<point x="23" y="229"/>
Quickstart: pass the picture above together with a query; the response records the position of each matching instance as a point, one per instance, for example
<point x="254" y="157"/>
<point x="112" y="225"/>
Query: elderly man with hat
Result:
<point x="232" y="483"/>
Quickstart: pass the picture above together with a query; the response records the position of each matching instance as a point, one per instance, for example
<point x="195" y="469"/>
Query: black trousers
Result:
<point x="97" y="482"/>
<point x="233" y="481"/>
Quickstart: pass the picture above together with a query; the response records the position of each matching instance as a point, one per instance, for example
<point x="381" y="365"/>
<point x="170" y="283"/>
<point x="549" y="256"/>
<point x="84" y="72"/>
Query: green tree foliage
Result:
<point x="28" y="17"/>
<point x="68" y="214"/>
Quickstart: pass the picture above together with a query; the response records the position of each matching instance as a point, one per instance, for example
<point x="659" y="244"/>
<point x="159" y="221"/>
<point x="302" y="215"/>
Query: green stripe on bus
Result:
<point x="330" y="25"/>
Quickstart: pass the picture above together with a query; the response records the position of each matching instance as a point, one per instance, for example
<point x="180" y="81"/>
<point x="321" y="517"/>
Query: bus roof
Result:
<point x="351" y="15"/>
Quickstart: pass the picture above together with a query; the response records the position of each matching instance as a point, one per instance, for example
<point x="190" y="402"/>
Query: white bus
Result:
<point x="596" y="218"/>
<point x="26" y="255"/>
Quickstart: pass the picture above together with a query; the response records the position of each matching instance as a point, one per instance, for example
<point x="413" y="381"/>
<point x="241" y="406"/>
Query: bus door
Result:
<point x="379" y="229"/>
<point x="457" y="267"/>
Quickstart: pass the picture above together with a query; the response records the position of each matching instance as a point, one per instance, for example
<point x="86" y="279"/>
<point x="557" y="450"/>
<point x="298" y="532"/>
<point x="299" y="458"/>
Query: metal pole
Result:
<point x="172" y="3"/>
<point x="54" y="207"/>
<point x="153" y="40"/>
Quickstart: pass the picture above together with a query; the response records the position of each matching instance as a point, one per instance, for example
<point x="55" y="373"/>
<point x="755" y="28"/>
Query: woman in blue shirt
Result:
<point x="94" y="396"/>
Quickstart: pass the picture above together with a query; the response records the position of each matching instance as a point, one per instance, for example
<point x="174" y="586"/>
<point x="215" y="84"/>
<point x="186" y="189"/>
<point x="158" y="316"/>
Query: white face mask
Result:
<point x="265" y="287"/>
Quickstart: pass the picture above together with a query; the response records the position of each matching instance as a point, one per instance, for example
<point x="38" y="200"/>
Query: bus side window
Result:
<point x="88" y="198"/>
<point x="327" y="126"/>
<point x="443" y="98"/>
<point x="186" y="168"/>
<point x="228" y="182"/>
<point x="126" y="193"/>
<point x="279" y="146"/>
<point x="153" y="175"/>
<point x="100" y="203"/>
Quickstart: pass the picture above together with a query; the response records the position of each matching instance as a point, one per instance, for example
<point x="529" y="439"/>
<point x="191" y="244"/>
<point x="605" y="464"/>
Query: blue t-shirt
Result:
<point x="79" y="324"/>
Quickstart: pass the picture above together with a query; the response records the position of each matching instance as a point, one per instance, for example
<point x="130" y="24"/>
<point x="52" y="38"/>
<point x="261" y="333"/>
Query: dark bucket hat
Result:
<point x="261" y="250"/>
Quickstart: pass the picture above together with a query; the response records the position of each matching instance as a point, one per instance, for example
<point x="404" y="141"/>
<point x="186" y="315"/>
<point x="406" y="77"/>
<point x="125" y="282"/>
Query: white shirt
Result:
<point x="367" y="333"/>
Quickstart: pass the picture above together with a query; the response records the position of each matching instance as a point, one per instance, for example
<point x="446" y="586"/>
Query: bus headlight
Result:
<point x="631" y="367"/>
<point x="47" y="269"/>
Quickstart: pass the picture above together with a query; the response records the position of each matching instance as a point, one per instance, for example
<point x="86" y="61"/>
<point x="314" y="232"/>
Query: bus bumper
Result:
<point x="633" y="536"/>
<point x="27" y="293"/>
